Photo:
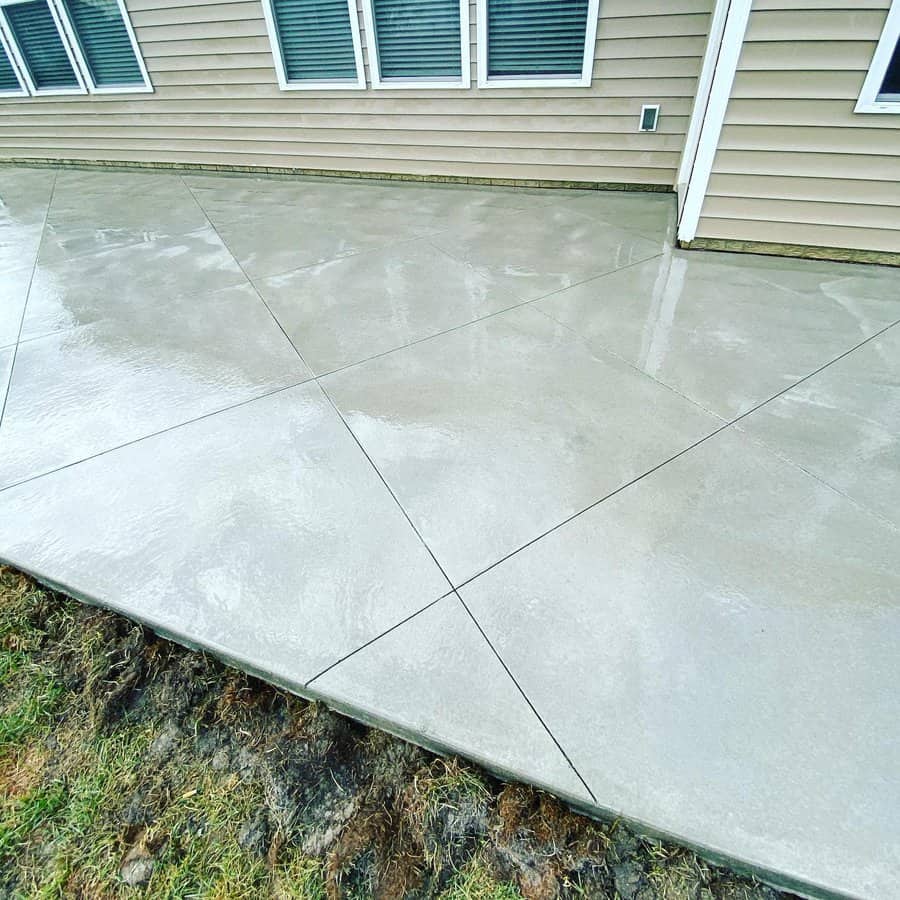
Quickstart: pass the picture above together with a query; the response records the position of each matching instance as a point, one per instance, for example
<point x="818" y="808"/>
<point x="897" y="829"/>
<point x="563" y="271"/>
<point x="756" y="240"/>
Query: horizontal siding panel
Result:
<point x="339" y="153"/>
<point x="568" y="129"/>
<point x="785" y="56"/>
<point x="651" y="9"/>
<point x="473" y="102"/>
<point x="659" y="47"/>
<point x="135" y="6"/>
<point x="635" y="26"/>
<point x="206" y="46"/>
<point x="795" y="84"/>
<point x="802" y="113"/>
<point x="343" y="138"/>
<point x="823" y="235"/>
<point x="214" y="11"/>
<point x="808" y="165"/>
<point x="825" y="25"/>
<point x="799" y="139"/>
<point x="225" y="29"/>
<point x="816" y="5"/>
<point x="275" y="102"/>
<point x="818" y="190"/>
<point x="849" y="215"/>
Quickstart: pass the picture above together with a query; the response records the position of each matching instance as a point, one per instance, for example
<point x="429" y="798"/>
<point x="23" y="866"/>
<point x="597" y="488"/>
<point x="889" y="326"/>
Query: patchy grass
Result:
<point x="130" y="766"/>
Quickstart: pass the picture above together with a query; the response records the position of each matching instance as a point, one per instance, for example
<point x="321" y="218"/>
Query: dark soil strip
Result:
<point x="130" y="766"/>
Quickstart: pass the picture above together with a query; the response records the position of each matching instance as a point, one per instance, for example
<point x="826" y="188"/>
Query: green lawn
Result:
<point x="131" y="766"/>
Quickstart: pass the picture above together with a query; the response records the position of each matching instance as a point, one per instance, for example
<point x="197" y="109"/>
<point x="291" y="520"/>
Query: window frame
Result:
<point x="868" y="101"/>
<point x="19" y="58"/>
<point x="545" y="81"/>
<point x="465" y="57"/>
<point x="23" y="87"/>
<point x="72" y="35"/>
<point x="309" y="85"/>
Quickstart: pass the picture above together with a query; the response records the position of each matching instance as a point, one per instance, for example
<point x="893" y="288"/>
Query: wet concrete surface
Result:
<point x="498" y="470"/>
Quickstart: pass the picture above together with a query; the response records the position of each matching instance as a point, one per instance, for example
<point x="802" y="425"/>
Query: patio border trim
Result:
<point x="188" y="168"/>
<point x="800" y="251"/>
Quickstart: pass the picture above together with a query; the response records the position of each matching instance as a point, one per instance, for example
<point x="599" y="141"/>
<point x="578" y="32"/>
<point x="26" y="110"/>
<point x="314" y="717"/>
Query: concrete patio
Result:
<point x="496" y="469"/>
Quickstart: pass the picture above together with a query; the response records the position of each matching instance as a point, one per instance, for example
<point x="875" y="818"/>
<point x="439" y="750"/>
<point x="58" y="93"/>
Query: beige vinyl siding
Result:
<point x="795" y="164"/>
<point x="216" y="101"/>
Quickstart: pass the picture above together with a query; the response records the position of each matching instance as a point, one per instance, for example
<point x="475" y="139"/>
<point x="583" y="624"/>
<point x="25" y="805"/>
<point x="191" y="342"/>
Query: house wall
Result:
<point x="217" y="102"/>
<point x="795" y="164"/>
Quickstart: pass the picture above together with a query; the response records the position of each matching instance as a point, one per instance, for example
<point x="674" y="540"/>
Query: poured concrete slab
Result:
<point x="843" y="425"/>
<point x="607" y="517"/>
<point x="716" y="649"/>
<point x="491" y="435"/>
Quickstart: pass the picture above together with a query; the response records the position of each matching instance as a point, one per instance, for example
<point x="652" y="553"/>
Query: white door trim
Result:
<point x="727" y="30"/>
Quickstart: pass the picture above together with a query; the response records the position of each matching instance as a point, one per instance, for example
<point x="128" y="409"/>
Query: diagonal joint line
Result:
<point x="525" y="696"/>
<point x="37" y="256"/>
<point x="679" y="454"/>
<point x="378" y="637"/>
<point x="384" y="481"/>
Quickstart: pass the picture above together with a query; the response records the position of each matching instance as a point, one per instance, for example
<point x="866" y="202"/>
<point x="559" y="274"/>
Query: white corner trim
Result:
<point x="19" y="57"/>
<point x="72" y="36"/>
<point x="23" y="87"/>
<point x="701" y="95"/>
<point x="737" y="15"/>
<point x="550" y="81"/>
<point x="869" y="101"/>
<point x="357" y="83"/>
<point x="465" y="56"/>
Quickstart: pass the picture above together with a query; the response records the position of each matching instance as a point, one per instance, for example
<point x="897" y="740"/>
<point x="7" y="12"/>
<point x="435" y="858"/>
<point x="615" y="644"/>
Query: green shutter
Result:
<point x="37" y="37"/>
<point x="8" y="80"/>
<point x="536" y="37"/>
<point x="316" y="40"/>
<point x="418" y="38"/>
<point x="104" y="42"/>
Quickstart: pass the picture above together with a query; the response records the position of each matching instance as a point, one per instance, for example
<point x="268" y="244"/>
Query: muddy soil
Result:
<point x="137" y="767"/>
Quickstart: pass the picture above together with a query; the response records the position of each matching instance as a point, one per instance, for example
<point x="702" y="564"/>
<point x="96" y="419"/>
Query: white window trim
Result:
<point x="23" y="87"/>
<point x="449" y="83"/>
<point x="330" y="85"/>
<point x="868" y="101"/>
<point x="20" y="60"/>
<point x="72" y="35"/>
<point x="549" y="81"/>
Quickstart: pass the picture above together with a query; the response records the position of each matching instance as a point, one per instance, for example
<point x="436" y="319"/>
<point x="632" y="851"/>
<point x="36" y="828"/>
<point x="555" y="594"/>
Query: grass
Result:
<point x="130" y="766"/>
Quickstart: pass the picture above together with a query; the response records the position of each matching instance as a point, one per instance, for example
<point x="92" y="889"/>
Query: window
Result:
<point x="315" y="44"/>
<point x="11" y="83"/>
<point x="881" y="89"/>
<point x="104" y="42"/>
<point x="418" y="43"/>
<point x="536" y="43"/>
<point x="70" y="47"/>
<point x="43" y="57"/>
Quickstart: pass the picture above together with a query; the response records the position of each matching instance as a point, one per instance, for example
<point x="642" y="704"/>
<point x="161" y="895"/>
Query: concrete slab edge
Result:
<point x="599" y="813"/>
<point x="799" y="251"/>
<point x="226" y="169"/>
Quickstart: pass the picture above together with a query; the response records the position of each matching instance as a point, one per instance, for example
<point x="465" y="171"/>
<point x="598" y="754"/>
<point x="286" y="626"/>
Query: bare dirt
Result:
<point x="132" y="766"/>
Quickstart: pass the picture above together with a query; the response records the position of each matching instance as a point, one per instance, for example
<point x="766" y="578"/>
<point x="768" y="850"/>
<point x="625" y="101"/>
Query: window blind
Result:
<point x="316" y="40"/>
<point x="418" y="38"/>
<point x="34" y="30"/>
<point x="536" y="37"/>
<point x="8" y="80"/>
<point x="891" y="84"/>
<point x="105" y="43"/>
